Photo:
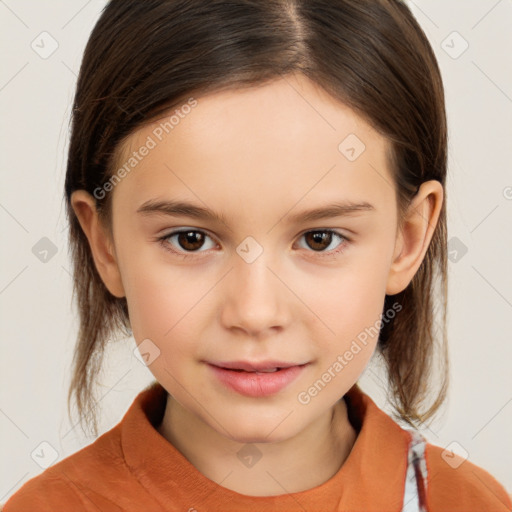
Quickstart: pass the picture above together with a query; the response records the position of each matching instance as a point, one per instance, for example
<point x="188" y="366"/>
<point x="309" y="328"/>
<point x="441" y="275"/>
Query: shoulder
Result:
<point x="456" y="485"/>
<point x="44" y="493"/>
<point x="74" y="483"/>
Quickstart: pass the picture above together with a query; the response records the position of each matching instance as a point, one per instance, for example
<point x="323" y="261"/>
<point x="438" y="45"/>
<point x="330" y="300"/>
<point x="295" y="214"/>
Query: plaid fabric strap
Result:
<point x="416" y="476"/>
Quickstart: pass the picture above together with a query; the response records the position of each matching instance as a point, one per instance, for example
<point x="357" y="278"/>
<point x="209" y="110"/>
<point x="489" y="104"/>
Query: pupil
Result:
<point x="319" y="239"/>
<point x="190" y="240"/>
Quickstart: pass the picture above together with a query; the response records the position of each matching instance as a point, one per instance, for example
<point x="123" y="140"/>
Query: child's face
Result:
<point x="258" y="157"/>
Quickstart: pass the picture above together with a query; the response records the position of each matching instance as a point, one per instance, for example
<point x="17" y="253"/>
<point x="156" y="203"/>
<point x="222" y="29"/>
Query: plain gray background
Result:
<point x="38" y="327"/>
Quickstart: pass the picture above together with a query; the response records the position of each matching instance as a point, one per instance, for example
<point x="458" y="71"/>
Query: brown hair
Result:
<point x="143" y="58"/>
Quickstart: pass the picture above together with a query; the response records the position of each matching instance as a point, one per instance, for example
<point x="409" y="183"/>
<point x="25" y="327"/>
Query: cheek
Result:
<point x="162" y="310"/>
<point x="168" y="306"/>
<point x="159" y="307"/>
<point x="350" y="300"/>
<point x="156" y="294"/>
<point x="350" y="306"/>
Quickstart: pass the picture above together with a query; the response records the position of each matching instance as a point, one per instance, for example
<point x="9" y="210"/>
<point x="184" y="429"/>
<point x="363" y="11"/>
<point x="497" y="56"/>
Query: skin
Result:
<point x="259" y="156"/>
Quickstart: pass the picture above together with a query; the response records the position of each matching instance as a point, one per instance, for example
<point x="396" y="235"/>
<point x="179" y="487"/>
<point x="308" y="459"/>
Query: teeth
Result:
<point x="259" y="371"/>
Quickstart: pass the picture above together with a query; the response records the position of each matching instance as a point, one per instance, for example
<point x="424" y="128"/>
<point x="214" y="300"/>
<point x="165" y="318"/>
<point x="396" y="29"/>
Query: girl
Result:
<point x="256" y="192"/>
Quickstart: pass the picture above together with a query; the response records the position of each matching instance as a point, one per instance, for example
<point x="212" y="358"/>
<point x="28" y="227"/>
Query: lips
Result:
<point x="256" y="383"/>
<point x="256" y="366"/>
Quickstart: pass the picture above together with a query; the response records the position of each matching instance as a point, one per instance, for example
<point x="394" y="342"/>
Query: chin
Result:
<point x="263" y="432"/>
<point x="256" y="438"/>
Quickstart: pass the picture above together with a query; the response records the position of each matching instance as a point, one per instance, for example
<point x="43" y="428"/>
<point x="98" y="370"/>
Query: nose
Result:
<point x="256" y="299"/>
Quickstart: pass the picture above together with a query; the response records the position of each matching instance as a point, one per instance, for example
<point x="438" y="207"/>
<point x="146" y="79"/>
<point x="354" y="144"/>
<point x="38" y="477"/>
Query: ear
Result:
<point x="101" y="244"/>
<point x="413" y="240"/>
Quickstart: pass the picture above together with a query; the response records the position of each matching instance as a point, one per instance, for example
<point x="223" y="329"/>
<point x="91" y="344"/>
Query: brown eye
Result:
<point x="186" y="242"/>
<point x="323" y="242"/>
<point x="319" y="240"/>
<point x="190" y="240"/>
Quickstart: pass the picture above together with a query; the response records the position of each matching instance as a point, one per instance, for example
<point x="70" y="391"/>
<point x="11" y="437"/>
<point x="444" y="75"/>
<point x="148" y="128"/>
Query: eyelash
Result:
<point x="163" y="240"/>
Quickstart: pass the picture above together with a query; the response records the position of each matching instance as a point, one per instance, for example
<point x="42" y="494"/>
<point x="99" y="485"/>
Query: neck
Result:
<point x="296" y="464"/>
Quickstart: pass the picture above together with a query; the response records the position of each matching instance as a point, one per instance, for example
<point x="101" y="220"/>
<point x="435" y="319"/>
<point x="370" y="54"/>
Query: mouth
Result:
<point x="257" y="366"/>
<point x="257" y="380"/>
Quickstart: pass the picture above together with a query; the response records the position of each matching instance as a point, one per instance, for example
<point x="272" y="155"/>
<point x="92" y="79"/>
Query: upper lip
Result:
<point x="254" y="365"/>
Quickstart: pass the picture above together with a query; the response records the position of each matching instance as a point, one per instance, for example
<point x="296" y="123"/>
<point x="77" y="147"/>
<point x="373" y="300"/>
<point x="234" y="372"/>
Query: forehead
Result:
<point x="280" y="141"/>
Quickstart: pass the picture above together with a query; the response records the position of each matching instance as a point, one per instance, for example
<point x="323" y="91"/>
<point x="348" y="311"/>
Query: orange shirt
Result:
<point x="134" y="468"/>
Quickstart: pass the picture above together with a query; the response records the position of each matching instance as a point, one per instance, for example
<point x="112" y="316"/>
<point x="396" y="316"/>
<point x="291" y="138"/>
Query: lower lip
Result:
<point x="257" y="384"/>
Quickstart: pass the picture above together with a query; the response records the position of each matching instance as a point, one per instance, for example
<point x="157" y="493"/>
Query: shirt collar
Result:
<point x="371" y="479"/>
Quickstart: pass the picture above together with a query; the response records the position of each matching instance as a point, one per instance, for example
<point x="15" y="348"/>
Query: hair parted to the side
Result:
<point x="144" y="58"/>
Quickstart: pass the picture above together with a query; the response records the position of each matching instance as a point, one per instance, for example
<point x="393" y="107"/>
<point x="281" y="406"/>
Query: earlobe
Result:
<point x="102" y="247"/>
<point x="413" y="240"/>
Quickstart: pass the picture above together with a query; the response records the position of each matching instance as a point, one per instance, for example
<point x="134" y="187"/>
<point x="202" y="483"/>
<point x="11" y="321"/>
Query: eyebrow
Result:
<point x="183" y="208"/>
